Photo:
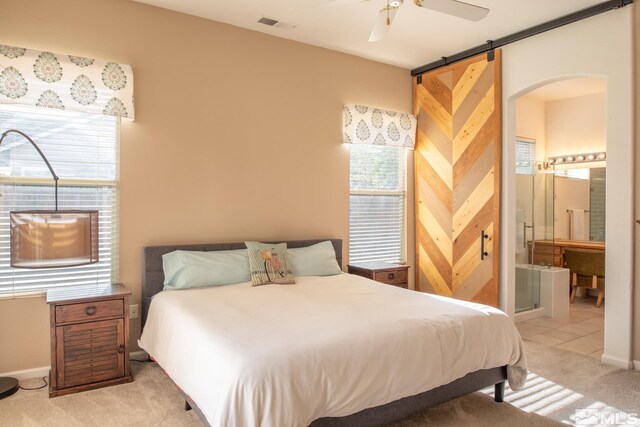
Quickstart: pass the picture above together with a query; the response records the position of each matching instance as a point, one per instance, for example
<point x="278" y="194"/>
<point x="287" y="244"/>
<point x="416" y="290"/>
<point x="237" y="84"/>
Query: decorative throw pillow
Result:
<point x="269" y="263"/>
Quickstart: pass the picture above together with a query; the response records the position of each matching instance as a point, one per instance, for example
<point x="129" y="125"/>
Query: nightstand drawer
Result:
<point x="383" y="272"/>
<point x="391" y="277"/>
<point x="89" y="311"/>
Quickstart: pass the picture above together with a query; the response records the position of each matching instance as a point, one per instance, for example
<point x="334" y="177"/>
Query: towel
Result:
<point x="577" y="224"/>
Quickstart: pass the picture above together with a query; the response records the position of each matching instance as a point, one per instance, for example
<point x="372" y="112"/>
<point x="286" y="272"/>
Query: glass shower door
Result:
<point x="527" y="276"/>
<point x="527" y="295"/>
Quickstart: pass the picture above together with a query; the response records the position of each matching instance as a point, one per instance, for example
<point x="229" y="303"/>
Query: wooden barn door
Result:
<point x="457" y="180"/>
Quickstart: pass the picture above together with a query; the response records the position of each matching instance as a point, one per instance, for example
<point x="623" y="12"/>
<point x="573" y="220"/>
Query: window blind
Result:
<point x="525" y="157"/>
<point x="377" y="203"/>
<point x="83" y="150"/>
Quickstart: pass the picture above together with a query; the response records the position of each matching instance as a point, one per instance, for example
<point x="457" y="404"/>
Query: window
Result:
<point x="83" y="151"/>
<point x="525" y="156"/>
<point x="377" y="203"/>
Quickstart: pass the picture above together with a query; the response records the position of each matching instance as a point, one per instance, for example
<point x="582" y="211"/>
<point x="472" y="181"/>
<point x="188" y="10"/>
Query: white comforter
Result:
<point x="285" y="355"/>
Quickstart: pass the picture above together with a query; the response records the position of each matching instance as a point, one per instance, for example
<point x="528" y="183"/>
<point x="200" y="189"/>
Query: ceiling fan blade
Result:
<point x="383" y="23"/>
<point x="460" y="9"/>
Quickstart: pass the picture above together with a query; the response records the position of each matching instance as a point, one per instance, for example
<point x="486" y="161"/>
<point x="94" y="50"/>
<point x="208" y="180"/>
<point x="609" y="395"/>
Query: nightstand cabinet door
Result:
<point x="90" y="352"/>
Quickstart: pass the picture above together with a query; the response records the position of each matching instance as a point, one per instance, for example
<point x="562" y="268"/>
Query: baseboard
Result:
<point x="27" y="374"/>
<point x="636" y="365"/>
<point x="138" y="355"/>
<point x="43" y="371"/>
<point x="529" y="315"/>
<point x="619" y="363"/>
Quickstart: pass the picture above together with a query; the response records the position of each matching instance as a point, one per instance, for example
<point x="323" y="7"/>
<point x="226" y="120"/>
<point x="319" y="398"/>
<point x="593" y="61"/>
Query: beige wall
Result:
<point x="530" y="122"/>
<point x="636" y="328"/>
<point x="576" y="125"/>
<point x="222" y="115"/>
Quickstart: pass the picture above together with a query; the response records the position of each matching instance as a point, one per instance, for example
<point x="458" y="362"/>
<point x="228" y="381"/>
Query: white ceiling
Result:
<point x="418" y="36"/>
<point x="569" y="89"/>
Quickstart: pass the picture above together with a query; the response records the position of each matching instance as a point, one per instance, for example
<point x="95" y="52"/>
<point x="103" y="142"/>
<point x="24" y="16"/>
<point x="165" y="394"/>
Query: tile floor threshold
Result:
<point x="581" y="332"/>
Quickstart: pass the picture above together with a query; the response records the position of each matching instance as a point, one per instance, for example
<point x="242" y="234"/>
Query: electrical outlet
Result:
<point x="133" y="311"/>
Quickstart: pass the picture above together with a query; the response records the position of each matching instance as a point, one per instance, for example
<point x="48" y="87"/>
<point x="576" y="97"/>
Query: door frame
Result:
<point x="618" y="321"/>
<point x="601" y="46"/>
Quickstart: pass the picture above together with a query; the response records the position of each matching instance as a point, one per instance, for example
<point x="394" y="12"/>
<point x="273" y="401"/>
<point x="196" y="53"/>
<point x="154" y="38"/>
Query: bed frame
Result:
<point x="152" y="283"/>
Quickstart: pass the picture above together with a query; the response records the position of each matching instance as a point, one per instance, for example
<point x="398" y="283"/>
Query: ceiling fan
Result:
<point x="460" y="9"/>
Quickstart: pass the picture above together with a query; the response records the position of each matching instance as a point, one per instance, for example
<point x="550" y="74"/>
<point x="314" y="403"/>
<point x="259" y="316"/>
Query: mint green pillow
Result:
<point x="314" y="260"/>
<point x="198" y="269"/>
<point x="269" y="264"/>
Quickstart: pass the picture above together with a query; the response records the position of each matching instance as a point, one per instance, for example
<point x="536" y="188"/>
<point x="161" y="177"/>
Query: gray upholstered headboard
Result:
<point x="153" y="275"/>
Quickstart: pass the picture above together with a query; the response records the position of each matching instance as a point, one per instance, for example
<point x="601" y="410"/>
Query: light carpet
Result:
<point x="560" y="382"/>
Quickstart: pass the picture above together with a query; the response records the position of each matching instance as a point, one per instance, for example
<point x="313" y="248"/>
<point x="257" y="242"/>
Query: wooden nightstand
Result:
<point x="384" y="272"/>
<point x="89" y="338"/>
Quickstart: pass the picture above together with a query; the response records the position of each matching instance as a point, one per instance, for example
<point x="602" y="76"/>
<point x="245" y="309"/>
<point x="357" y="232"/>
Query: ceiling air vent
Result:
<point x="278" y="24"/>
<point x="267" y="21"/>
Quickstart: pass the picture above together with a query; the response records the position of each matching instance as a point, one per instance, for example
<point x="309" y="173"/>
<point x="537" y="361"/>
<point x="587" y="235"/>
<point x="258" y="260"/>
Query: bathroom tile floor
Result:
<point x="581" y="332"/>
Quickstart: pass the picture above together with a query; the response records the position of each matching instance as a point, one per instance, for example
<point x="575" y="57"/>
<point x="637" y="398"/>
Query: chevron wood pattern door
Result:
<point x="457" y="180"/>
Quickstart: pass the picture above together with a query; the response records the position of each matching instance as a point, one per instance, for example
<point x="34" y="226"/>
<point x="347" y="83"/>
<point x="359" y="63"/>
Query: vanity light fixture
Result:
<point x="578" y="158"/>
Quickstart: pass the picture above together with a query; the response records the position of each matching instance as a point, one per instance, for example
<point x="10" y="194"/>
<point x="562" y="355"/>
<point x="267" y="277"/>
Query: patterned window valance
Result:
<point x="51" y="80"/>
<point x="368" y="125"/>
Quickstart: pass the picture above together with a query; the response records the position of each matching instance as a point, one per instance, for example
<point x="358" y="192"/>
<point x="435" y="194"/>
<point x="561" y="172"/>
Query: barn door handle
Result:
<point x="483" y="253"/>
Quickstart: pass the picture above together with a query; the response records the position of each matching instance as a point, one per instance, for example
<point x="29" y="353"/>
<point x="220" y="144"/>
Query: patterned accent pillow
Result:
<point x="269" y="264"/>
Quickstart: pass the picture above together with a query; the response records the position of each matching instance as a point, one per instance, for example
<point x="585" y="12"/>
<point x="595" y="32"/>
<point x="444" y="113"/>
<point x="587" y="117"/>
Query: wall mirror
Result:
<point x="580" y="197"/>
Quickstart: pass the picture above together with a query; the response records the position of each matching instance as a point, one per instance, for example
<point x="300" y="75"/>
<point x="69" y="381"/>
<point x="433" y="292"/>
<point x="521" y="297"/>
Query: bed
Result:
<point x="328" y="351"/>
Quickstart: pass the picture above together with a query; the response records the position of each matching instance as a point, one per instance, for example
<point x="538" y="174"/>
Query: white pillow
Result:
<point x="314" y="260"/>
<point x="199" y="269"/>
